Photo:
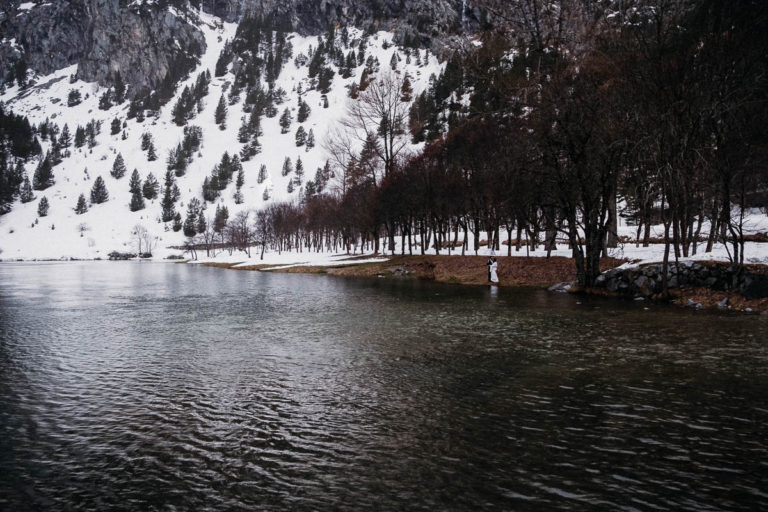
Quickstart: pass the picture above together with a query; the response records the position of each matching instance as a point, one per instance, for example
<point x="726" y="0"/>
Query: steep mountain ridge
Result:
<point x="149" y="40"/>
<point x="412" y="21"/>
<point x="143" y="41"/>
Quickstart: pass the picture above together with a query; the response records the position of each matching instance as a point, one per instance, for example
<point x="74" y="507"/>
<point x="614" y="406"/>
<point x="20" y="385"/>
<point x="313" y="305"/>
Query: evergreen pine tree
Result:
<point x="310" y="139"/>
<point x="210" y="191"/>
<point x="262" y="176"/>
<point x="146" y="140"/>
<point x="190" y="223"/>
<point x="151" y="187"/>
<point x="224" y="170"/>
<point x="290" y="186"/>
<point x="406" y="91"/>
<point x="82" y="205"/>
<point x="115" y="126"/>
<point x="79" y="137"/>
<point x="285" y="121"/>
<point x="43" y="177"/>
<point x="179" y="112"/>
<point x="134" y="185"/>
<point x="301" y="136"/>
<point x="287" y="167"/>
<point x="239" y="185"/>
<point x="244" y="133"/>
<point x="310" y="189"/>
<point x="91" y="131"/>
<point x="99" y="192"/>
<point x="237" y="167"/>
<point x="220" y="115"/>
<point x="393" y="62"/>
<point x="202" y="225"/>
<point x="42" y="207"/>
<point x="270" y="110"/>
<point x="180" y="167"/>
<point x="319" y="181"/>
<point x="325" y="80"/>
<point x="221" y="218"/>
<point x="65" y="139"/>
<point x="151" y="154"/>
<point x="303" y="112"/>
<point x="177" y="223"/>
<point x="74" y="98"/>
<point x="299" y="171"/>
<point x="105" y="102"/>
<point x="55" y="152"/>
<point x="137" y="201"/>
<point x="25" y="193"/>
<point x="265" y="195"/>
<point x="118" y="168"/>
<point x="168" y="201"/>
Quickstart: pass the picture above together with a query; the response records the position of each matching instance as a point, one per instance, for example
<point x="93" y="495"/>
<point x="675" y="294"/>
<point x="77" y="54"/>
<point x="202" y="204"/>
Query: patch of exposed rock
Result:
<point x="142" y="40"/>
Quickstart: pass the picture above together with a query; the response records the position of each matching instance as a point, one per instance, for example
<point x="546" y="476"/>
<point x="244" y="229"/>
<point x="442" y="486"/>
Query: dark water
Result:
<point x="171" y="387"/>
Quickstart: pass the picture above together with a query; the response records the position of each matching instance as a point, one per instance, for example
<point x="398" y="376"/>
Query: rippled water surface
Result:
<point x="173" y="387"/>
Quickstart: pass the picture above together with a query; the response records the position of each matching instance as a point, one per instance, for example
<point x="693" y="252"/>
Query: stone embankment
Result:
<point x="647" y="281"/>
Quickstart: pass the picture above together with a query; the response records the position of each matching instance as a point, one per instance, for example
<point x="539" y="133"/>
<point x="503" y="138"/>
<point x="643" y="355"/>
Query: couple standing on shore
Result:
<point x="493" y="268"/>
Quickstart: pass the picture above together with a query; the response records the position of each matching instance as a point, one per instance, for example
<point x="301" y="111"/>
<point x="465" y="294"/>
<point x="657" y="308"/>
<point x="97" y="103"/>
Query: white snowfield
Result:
<point x="109" y="226"/>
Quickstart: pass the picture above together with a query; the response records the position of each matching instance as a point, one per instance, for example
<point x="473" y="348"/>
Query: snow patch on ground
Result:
<point x="288" y="259"/>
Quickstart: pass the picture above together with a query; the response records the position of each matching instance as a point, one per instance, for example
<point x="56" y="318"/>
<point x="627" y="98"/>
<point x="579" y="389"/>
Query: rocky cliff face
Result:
<point x="141" y="40"/>
<point x="145" y="39"/>
<point x="419" y="21"/>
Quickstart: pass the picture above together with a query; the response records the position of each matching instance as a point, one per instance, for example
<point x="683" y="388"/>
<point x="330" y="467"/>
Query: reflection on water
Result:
<point x="157" y="386"/>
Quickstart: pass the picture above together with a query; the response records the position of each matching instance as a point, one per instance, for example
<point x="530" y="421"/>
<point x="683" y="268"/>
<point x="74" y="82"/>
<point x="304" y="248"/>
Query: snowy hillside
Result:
<point x="108" y="226"/>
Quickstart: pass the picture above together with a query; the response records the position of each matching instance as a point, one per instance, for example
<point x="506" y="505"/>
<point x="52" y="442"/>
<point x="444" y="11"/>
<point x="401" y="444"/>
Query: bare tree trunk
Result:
<point x="713" y="219"/>
<point x="612" y="236"/>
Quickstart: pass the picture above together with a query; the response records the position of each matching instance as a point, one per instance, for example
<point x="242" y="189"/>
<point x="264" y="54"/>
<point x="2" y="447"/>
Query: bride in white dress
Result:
<point x="494" y="271"/>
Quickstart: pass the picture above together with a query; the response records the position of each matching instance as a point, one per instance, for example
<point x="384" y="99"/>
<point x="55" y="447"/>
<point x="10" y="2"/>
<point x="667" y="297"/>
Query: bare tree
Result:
<point x="142" y="240"/>
<point x="240" y="232"/>
<point x="342" y="148"/>
<point x="379" y="114"/>
<point x="207" y="237"/>
<point x="263" y="230"/>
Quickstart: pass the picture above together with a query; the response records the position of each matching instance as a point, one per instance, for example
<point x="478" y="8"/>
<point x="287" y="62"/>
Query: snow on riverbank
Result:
<point x="288" y="259"/>
<point x="756" y="253"/>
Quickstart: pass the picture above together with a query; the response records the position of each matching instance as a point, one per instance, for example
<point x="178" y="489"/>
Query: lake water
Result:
<point x="149" y="386"/>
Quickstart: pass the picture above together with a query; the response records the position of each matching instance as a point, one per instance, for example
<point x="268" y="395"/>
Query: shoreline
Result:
<point x="514" y="271"/>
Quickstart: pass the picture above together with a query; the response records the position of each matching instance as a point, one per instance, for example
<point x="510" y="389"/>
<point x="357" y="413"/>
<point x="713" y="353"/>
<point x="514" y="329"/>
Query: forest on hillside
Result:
<point x="563" y="110"/>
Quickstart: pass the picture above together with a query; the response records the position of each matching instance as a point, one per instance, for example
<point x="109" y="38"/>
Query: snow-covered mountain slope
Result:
<point x="108" y="226"/>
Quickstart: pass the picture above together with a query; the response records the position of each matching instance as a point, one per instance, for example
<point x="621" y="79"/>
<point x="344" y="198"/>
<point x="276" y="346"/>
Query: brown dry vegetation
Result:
<point x="709" y="299"/>
<point x="472" y="270"/>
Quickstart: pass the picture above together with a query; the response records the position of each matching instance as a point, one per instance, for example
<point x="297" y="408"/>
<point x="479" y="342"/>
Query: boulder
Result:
<point x="754" y="286"/>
